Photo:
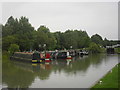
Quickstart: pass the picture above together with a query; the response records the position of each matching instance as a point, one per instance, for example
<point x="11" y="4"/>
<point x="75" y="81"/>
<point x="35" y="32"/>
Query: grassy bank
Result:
<point x="110" y="80"/>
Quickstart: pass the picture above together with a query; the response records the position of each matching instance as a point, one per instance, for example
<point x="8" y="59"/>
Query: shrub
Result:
<point x="94" y="48"/>
<point x="13" y="48"/>
<point x="117" y="50"/>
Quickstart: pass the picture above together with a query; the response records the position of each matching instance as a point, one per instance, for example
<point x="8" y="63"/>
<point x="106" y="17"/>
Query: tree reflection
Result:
<point x="42" y="71"/>
<point x="21" y="75"/>
<point x="79" y="64"/>
<point x="15" y="77"/>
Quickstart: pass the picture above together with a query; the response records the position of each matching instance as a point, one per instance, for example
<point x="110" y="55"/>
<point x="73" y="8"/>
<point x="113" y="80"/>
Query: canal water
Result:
<point x="80" y="72"/>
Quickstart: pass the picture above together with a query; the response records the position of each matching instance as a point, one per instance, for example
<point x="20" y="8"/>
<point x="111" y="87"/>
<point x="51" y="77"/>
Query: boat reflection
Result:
<point x="20" y="74"/>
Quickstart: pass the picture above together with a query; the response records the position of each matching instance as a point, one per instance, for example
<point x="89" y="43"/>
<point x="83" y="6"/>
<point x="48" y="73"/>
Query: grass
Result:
<point x="110" y="80"/>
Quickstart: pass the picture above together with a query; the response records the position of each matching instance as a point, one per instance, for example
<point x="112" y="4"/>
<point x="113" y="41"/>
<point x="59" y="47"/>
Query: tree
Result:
<point x="94" y="48"/>
<point x="84" y="40"/>
<point x="13" y="48"/>
<point x="43" y="36"/>
<point x="60" y="40"/>
<point x="6" y="41"/>
<point x="76" y="38"/>
<point x="9" y="27"/>
<point x="43" y="29"/>
<point x="106" y="42"/>
<point x="40" y="39"/>
<point x="19" y="32"/>
<point x="97" y="39"/>
<point x="51" y="41"/>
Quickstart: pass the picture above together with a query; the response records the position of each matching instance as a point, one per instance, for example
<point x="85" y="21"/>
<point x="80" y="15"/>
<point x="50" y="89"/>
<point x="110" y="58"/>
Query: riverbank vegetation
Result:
<point x="110" y="80"/>
<point x="13" y="48"/>
<point x="21" y="33"/>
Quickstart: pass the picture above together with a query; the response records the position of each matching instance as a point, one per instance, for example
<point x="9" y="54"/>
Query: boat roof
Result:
<point x="24" y="52"/>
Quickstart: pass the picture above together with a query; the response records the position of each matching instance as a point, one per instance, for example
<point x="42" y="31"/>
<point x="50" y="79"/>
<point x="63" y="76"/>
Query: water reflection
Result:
<point x="16" y="77"/>
<point x="0" y="69"/>
<point x="22" y="75"/>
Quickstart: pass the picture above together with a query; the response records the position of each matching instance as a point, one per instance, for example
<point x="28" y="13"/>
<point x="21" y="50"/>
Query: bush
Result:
<point x="117" y="50"/>
<point x="94" y="48"/>
<point x="13" y="48"/>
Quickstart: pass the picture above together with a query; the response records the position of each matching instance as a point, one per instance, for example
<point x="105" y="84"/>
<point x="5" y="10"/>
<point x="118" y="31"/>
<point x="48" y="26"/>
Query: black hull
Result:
<point x="26" y="60"/>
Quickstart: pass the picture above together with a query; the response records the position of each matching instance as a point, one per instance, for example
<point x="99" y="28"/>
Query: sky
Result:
<point x="93" y="17"/>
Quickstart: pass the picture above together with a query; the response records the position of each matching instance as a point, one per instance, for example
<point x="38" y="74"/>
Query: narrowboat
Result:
<point x="61" y="55"/>
<point x="34" y="57"/>
<point x="83" y="52"/>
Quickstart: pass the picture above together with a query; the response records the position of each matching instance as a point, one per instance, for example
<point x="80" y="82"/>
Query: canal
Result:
<point x="80" y="72"/>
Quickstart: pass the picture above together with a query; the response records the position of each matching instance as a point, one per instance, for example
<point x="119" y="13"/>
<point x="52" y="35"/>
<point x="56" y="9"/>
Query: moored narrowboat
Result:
<point x="34" y="57"/>
<point x="61" y="55"/>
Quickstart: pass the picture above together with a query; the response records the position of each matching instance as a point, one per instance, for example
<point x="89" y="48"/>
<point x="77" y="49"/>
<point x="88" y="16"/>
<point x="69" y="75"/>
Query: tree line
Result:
<point x="21" y="33"/>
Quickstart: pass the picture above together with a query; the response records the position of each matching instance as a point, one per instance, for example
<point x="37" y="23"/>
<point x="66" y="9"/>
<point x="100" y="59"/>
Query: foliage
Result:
<point x="21" y="32"/>
<point x="117" y="50"/>
<point x="105" y="42"/>
<point x="43" y="29"/>
<point x="97" y="39"/>
<point x="59" y="40"/>
<point x="6" y="41"/>
<point x="110" y="42"/>
<point x="43" y="36"/>
<point x="75" y="38"/>
<point x="13" y="48"/>
<point x="94" y="48"/>
<point x="17" y="31"/>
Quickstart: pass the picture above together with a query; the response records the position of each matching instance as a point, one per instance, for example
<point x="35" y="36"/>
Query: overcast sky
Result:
<point x="93" y="17"/>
